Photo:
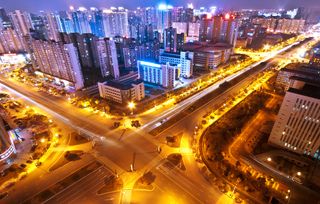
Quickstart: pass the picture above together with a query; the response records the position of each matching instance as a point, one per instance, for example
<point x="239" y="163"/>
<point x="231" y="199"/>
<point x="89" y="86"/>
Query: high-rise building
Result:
<point x="225" y="29"/>
<point x="11" y="42"/>
<point x="159" y="74"/>
<point x="164" y="17"/>
<point x="50" y="21"/>
<point x="181" y="14"/>
<point x="96" y="22"/>
<point x="297" y="127"/>
<point x="170" y="40"/>
<point x="147" y="16"/>
<point x="115" y="22"/>
<point x="86" y="45"/>
<point x="58" y="60"/>
<point x="80" y="20"/>
<point x="21" y="22"/>
<point x="107" y="54"/>
<point x="181" y="39"/>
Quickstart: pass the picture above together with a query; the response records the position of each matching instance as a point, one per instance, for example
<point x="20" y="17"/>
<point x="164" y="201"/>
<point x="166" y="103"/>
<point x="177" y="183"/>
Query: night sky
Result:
<point x="36" y="5"/>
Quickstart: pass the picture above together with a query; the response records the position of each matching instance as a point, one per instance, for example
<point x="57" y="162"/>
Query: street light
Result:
<point x="131" y="106"/>
<point x="299" y="173"/>
<point x="266" y="47"/>
<point x="269" y="159"/>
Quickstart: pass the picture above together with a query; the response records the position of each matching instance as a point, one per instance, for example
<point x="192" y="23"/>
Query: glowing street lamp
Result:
<point x="266" y="47"/>
<point x="42" y="140"/>
<point x="299" y="173"/>
<point x="131" y="106"/>
<point x="269" y="159"/>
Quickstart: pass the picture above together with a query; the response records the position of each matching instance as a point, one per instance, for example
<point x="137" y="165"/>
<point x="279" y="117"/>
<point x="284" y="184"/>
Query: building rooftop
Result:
<point x="124" y="84"/>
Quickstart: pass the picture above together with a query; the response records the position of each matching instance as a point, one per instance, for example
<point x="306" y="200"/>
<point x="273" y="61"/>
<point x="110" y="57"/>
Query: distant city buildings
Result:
<point x="280" y="25"/>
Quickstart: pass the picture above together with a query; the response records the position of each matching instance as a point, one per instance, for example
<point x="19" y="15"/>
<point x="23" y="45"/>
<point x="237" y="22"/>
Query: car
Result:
<point x="23" y="166"/>
<point x="29" y="161"/>
<point x="38" y="163"/>
<point x="3" y="195"/>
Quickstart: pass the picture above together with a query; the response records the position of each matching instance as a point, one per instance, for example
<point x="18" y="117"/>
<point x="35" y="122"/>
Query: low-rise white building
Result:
<point x="127" y="88"/>
<point x="160" y="74"/>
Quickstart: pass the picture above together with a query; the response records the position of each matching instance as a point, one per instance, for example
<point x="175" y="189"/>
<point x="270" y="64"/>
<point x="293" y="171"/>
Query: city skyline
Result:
<point x="46" y="5"/>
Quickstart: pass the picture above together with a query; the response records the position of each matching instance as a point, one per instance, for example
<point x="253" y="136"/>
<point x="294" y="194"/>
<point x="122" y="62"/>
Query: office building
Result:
<point x="59" y="61"/>
<point x="183" y="59"/>
<point x="297" y="127"/>
<point x="125" y="89"/>
<point x="160" y="74"/>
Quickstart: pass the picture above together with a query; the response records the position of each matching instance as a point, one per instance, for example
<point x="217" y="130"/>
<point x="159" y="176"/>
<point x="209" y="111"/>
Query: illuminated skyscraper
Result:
<point x="164" y="17"/>
<point x="21" y="22"/>
<point x="115" y="22"/>
<point x="108" y="60"/>
<point x="51" y="26"/>
<point x="170" y="40"/>
<point x="58" y="60"/>
<point x="81" y="21"/>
